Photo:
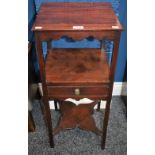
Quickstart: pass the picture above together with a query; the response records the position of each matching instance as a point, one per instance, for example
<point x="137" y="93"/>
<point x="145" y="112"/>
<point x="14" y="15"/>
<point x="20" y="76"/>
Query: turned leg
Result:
<point x="48" y="120"/>
<point x="105" y="123"/>
<point x="55" y="105"/>
<point x="98" y="106"/>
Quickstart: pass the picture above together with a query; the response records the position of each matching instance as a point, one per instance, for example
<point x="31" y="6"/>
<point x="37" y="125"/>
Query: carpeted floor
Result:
<point x="78" y="142"/>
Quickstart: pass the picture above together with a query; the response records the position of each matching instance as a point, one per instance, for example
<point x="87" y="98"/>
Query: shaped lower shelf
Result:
<point x="73" y="116"/>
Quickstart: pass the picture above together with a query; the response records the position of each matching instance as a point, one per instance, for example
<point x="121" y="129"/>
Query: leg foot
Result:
<point x="48" y="121"/>
<point x="105" y="123"/>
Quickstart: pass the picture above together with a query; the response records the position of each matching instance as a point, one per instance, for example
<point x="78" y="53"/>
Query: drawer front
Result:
<point x="77" y="92"/>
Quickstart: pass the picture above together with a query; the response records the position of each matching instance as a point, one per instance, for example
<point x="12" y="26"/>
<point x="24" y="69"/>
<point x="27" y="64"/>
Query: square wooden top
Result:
<point x="76" y="16"/>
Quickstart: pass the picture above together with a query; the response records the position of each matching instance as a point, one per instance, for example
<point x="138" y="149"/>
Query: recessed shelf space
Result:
<point x="76" y="66"/>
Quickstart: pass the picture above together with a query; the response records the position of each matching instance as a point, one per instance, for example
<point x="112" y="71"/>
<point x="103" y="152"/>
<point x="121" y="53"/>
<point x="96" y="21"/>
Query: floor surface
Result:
<point x="79" y="142"/>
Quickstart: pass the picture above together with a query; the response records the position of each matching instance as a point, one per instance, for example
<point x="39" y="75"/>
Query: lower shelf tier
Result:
<point x="73" y="116"/>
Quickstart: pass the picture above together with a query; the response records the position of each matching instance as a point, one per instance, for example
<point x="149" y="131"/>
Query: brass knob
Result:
<point x="77" y="91"/>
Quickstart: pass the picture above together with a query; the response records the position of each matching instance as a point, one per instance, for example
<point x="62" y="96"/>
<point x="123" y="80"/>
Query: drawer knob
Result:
<point x="77" y="91"/>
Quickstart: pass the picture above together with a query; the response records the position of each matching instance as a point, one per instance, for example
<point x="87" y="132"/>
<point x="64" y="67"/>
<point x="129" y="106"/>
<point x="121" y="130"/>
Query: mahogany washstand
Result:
<point x="76" y="73"/>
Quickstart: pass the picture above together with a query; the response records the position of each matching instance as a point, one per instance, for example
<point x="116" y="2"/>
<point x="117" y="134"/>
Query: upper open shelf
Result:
<point x="78" y="66"/>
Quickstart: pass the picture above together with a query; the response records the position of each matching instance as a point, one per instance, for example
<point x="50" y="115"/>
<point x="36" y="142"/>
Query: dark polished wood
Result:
<point x="82" y="34"/>
<point x="63" y="16"/>
<point x="98" y="106"/>
<point x="105" y="123"/>
<point x="46" y="107"/>
<point x="73" y="116"/>
<point x="78" y="66"/>
<point x="49" y="47"/>
<point x="64" y="92"/>
<point x="77" y="73"/>
<point x="55" y="105"/>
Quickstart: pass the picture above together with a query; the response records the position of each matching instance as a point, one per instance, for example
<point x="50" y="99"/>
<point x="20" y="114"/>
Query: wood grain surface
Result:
<point x="77" y="73"/>
<point x="73" y="16"/>
<point x="80" y="66"/>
